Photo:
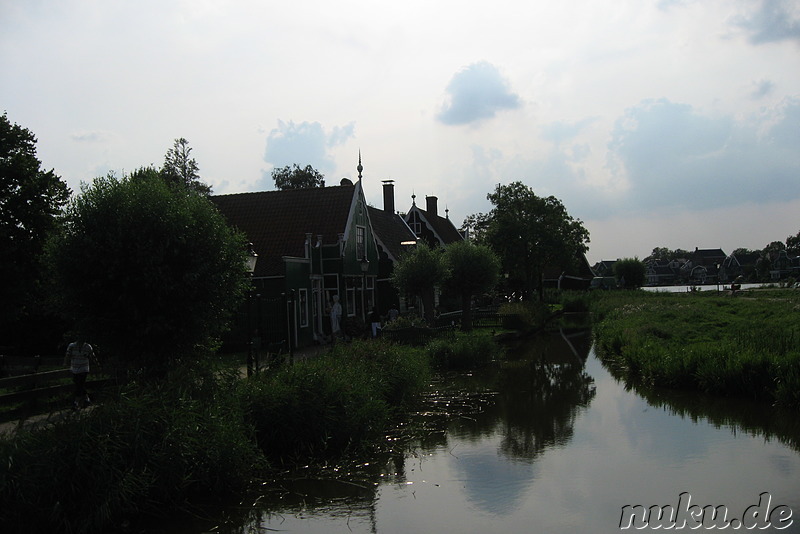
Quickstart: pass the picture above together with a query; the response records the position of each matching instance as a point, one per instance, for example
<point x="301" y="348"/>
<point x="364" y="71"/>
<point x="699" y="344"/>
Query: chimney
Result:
<point x="388" y="196"/>
<point x="432" y="209"/>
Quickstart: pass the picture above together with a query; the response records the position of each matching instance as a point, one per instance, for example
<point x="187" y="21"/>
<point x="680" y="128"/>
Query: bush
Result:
<point x="524" y="316"/>
<point x="335" y="402"/>
<point x="465" y="352"/>
<point x="143" y="452"/>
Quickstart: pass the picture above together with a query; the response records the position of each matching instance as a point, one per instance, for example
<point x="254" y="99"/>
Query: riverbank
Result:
<point x="206" y="435"/>
<point x="744" y="345"/>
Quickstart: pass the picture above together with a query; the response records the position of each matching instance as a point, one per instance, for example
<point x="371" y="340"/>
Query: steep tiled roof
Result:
<point x="276" y="222"/>
<point x="444" y="228"/>
<point x="390" y="230"/>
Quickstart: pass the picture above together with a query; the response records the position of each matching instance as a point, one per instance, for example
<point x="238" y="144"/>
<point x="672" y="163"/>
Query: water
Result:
<point x="551" y="442"/>
<point x="684" y="288"/>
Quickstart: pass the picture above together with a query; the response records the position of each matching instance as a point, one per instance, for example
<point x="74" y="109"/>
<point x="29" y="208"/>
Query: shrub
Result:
<point x="465" y="352"/>
<point x="335" y="402"/>
<point x="133" y="455"/>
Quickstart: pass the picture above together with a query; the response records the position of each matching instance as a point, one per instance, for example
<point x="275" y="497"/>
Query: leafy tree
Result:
<point x="742" y="251"/>
<point x="472" y="269"/>
<point x="529" y="233"/>
<point x="475" y="226"/>
<point x="181" y="169"/>
<point x="30" y="200"/>
<point x="630" y="272"/>
<point x="418" y="273"/>
<point x="793" y="245"/>
<point x="149" y="272"/>
<point x="296" y="178"/>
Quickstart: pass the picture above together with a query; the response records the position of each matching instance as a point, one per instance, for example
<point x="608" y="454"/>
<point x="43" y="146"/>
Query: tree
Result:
<point x="630" y="272"/>
<point x="793" y="245"/>
<point x="471" y="269"/>
<point x="30" y="200"/>
<point x="529" y="233"/>
<point x="149" y="272"/>
<point x="418" y="273"/>
<point x="296" y="178"/>
<point x="181" y="169"/>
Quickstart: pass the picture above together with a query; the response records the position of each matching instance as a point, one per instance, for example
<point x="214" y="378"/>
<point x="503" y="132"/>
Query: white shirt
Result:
<point x="79" y="354"/>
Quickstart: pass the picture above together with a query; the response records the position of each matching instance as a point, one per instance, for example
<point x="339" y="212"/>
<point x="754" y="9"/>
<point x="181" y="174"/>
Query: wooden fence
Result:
<point x="32" y="379"/>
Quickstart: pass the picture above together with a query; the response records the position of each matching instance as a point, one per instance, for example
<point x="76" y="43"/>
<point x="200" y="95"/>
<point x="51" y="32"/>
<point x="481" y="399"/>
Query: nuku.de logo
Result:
<point x="692" y="516"/>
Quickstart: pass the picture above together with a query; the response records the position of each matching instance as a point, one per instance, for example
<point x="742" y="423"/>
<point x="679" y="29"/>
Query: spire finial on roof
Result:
<point x="360" y="167"/>
<point x="413" y="198"/>
<point x="446" y="212"/>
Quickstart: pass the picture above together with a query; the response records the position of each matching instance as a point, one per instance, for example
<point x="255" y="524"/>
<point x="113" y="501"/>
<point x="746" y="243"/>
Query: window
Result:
<point x="302" y="302"/>
<point x="361" y="249"/>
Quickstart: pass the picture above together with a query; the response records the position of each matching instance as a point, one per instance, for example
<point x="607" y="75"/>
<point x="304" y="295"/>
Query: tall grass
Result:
<point x="472" y="351"/>
<point x="337" y="402"/>
<point x="198" y="435"/>
<point x="145" y="451"/>
<point x="745" y="346"/>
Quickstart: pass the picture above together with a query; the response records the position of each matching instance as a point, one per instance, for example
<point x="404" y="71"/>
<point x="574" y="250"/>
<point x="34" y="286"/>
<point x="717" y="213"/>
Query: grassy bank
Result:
<point x="746" y="345"/>
<point x="200" y="435"/>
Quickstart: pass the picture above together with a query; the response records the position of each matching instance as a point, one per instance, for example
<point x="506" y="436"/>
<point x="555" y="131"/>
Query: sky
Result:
<point x="658" y="123"/>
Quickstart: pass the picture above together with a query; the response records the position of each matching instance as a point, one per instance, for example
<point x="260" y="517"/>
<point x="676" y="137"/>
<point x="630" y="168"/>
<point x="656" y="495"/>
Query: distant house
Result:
<point x="429" y="226"/>
<point x="604" y="268"/>
<point x="662" y="272"/>
<point x="739" y="265"/>
<point x="394" y="238"/>
<point x="703" y="265"/>
<point x="312" y="244"/>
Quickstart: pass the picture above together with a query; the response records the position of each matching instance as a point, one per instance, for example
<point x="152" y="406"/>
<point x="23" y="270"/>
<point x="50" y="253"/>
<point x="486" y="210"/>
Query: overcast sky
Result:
<point x="657" y="122"/>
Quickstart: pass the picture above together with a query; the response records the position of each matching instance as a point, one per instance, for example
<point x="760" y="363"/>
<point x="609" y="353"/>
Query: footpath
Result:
<point x="34" y="421"/>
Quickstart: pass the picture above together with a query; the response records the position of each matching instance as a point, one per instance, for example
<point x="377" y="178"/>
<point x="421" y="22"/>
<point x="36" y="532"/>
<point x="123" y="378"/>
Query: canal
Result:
<point x="549" y="441"/>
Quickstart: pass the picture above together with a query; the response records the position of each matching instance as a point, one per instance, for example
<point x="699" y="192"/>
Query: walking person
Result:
<point x="336" y="318"/>
<point x="78" y="355"/>
<point x="375" y="322"/>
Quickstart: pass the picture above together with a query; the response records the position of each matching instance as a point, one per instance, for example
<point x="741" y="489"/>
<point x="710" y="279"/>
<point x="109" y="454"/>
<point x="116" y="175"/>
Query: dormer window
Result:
<point x="361" y="245"/>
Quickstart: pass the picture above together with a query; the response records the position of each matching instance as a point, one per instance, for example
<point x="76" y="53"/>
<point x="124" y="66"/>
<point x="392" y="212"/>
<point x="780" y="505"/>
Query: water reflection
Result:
<point x="547" y="441"/>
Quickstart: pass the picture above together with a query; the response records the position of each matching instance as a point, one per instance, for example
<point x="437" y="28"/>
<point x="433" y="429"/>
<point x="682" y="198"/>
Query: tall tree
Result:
<point x="148" y="271"/>
<point x="30" y="200"/>
<point x="418" y="273"/>
<point x="471" y="269"/>
<point x="530" y="233"/>
<point x="296" y="178"/>
<point x="630" y="272"/>
<point x="793" y="245"/>
<point x="181" y="169"/>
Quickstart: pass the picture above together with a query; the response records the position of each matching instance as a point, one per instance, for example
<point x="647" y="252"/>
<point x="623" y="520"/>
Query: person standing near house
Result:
<point x="394" y="313"/>
<point x="375" y="321"/>
<point x="78" y="355"/>
<point x="336" y="318"/>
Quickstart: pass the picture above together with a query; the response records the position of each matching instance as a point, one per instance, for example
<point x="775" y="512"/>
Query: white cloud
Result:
<point x="305" y="143"/>
<point x="774" y="20"/>
<point x="475" y="93"/>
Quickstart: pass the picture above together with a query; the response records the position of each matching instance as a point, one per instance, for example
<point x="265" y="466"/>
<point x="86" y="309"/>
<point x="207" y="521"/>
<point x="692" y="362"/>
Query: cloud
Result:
<point x="475" y="93"/>
<point x="91" y="137"/>
<point x="762" y="88"/>
<point x="775" y="20"/>
<point x="560" y="132"/>
<point x="674" y="157"/>
<point x="305" y="143"/>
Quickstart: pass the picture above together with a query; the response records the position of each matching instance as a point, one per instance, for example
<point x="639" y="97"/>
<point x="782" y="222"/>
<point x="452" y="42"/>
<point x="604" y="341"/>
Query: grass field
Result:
<point x="747" y="345"/>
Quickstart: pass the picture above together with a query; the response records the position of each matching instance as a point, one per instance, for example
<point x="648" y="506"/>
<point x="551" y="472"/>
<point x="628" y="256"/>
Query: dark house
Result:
<point x="429" y="226"/>
<point x="312" y="244"/>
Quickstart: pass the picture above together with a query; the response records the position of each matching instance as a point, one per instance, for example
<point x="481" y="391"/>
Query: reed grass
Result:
<point x="336" y="402"/>
<point x="743" y="346"/>
<point x="471" y="351"/>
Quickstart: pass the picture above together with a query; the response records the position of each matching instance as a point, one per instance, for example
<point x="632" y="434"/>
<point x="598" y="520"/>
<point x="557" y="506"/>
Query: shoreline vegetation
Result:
<point x="207" y="435"/>
<point x="745" y="345"/>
